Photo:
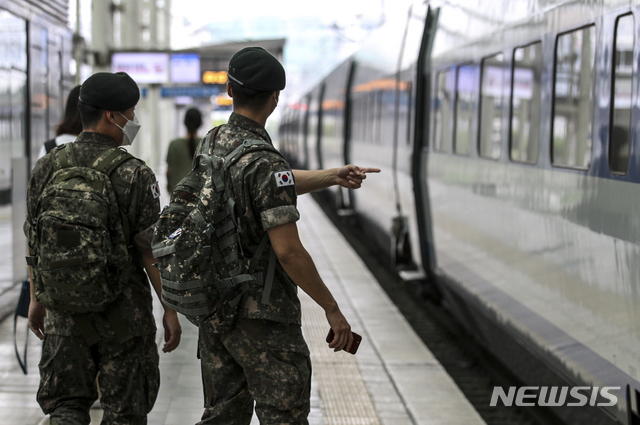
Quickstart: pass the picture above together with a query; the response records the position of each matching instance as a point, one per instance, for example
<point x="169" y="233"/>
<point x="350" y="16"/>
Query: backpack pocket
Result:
<point x="73" y="266"/>
<point x="182" y="260"/>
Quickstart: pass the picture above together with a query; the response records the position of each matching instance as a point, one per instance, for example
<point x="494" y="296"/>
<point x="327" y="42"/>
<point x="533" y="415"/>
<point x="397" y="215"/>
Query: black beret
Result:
<point x="255" y="68"/>
<point x="112" y="92"/>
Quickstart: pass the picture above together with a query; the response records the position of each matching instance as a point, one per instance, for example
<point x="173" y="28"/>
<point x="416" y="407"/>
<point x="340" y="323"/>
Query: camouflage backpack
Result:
<point x="78" y="242"/>
<point x="196" y="242"/>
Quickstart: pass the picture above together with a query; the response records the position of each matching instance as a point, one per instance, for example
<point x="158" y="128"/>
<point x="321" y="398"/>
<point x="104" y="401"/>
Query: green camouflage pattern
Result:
<point x="259" y="360"/>
<point x="128" y="377"/>
<point x="132" y="182"/>
<point x="260" y="205"/>
<point x="196" y="242"/>
<point x="128" y="371"/>
<point x="263" y="357"/>
<point x="80" y="246"/>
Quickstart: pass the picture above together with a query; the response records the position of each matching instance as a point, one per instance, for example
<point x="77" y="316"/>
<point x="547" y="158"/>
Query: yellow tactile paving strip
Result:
<point x="344" y="396"/>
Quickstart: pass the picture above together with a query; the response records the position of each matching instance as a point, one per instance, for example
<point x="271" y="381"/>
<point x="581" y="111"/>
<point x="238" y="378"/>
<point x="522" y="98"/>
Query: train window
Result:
<point x="620" y="136"/>
<point x="525" y="103"/>
<point x="442" y="111"/>
<point x="573" y="98"/>
<point x="491" y="87"/>
<point x="466" y="99"/>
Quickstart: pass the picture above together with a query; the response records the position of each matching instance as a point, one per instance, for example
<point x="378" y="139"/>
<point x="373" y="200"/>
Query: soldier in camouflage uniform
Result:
<point x="264" y="357"/>
<point x="127" y="372"/>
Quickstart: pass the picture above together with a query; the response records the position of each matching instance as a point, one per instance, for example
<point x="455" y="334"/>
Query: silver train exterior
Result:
<point x="507" y="132"/>
<point x="35" y="79"/>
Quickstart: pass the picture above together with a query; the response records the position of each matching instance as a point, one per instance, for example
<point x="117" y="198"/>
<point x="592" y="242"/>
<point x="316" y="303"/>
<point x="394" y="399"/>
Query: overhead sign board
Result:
<point x="191" y="91"/>
<point x="143" y="67"/>
<point x="213" y="77"/>
<point x="185" y="68"/>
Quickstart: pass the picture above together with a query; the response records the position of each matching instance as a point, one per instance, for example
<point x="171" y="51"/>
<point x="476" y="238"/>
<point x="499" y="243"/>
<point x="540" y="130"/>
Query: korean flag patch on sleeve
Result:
<point x="284" y="178"/>
<point x="155" y="190"/>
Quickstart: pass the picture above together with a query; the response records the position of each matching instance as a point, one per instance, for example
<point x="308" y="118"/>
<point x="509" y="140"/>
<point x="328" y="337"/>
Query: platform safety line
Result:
<point x="344" y="396"/>
<point x="327" y="257"/>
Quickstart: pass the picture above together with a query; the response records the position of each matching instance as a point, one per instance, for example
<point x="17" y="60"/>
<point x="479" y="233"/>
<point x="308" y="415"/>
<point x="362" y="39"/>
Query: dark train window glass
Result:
<point x="466" y="99"/>
<point x="442" y="111"/>
<point x="573" y="98"/>
<point x="525" y="103"/>
<point x="619" y="139"/>
<point x="491" y="95"/>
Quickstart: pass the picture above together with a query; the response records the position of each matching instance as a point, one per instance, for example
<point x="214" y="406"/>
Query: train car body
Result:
<point x="508" y="140"/>
<point x="35" y="78"/>
<point x="532" y="172"/>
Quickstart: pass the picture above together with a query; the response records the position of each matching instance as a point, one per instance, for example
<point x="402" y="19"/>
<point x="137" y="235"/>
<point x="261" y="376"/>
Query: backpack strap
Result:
<point x="268" y="284"/>
<point x="68" y="157"/>
<point x="109" y="160"/>
<point x="235" y="279"/>
<point x="49" y="145"/>
<point x="22" y="310"/>
<point x="107" y="163"/>
<point x="229" y="158"/>
<point x="208" y="139"/>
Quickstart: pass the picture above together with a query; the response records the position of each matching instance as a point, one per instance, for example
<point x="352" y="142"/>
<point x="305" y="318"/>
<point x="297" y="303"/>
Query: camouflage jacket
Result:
<point x="262" y="204"/>
<point x="136" y="189"/>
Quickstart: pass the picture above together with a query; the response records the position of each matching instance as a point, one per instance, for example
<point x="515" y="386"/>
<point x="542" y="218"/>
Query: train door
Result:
<point x="421" y="141"/>
<point x="318" y="146"/>
<point x="304" y="149"/>
<point x="313" y="128"/>
<point x="346" y="197"/>
<point x="405" y="234"/>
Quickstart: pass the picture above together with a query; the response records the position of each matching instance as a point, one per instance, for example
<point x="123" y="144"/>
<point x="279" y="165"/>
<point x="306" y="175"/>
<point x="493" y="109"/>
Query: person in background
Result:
<point x="69" y="127"/>
<point x="180" y="154"/>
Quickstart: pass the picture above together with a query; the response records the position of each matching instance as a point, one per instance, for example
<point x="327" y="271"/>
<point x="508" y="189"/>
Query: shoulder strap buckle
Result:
<point x="68" y="157"/>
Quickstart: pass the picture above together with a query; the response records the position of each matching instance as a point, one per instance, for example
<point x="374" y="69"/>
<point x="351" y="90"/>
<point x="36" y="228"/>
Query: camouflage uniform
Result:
<point x="128" y="372"/>
<point x="264" y="356"/>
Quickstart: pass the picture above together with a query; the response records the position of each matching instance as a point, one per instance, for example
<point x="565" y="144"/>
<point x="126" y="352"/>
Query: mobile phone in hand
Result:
<point x="354" y="345"/>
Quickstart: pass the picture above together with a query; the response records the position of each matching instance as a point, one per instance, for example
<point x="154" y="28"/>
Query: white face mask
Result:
<point x="129" y="130"/>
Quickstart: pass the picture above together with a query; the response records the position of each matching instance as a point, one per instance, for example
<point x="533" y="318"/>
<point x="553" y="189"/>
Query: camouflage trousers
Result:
<point x="128" y="377"/>
<point x="257" y="360"/>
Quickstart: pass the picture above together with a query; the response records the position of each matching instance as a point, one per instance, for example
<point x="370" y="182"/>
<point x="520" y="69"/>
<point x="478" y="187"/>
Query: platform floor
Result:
<point x="393" y="380"/>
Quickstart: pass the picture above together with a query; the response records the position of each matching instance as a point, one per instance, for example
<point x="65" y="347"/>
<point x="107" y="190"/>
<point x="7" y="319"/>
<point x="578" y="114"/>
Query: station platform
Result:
<point x="392" y="380"/>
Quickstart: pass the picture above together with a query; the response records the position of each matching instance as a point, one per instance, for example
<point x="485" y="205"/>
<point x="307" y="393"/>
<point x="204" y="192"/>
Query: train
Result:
<point x="35" y="78"/>
<point x="508" y="135"/>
